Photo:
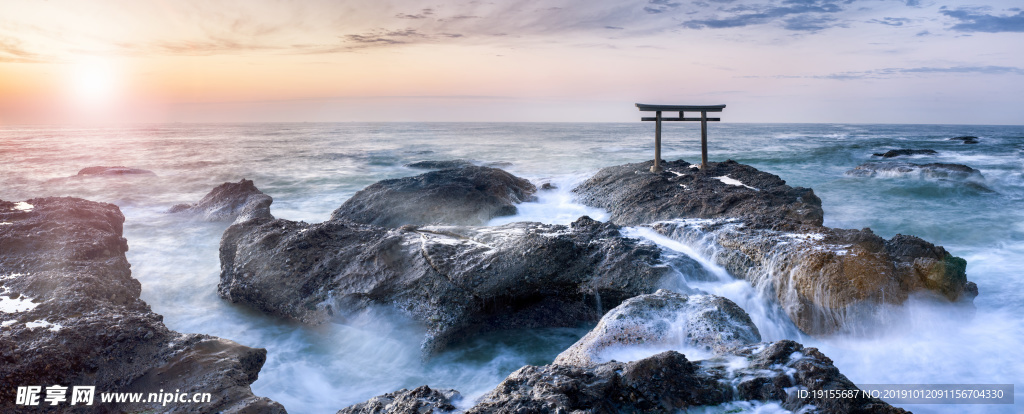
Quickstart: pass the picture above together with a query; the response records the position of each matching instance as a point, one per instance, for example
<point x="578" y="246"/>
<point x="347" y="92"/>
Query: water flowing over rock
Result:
<point x="904" y="152"/>
<point x="665" y="320"/>
<point x="830" y="280"/>
<point x="423" y="399"/>
<point x="223" y="203"/>
<point x="826" y="280"/>
<point x="75" y="319"/>
<point x="669" y="382"/>
<point x="113" y="171"/>
<point x="457" y="280"/>
<point x="469" y="195"/>
<point x="727" y="189"/>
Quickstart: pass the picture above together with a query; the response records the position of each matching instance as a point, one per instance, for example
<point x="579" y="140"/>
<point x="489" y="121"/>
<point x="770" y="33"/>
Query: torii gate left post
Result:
<point x="658" y="109"/>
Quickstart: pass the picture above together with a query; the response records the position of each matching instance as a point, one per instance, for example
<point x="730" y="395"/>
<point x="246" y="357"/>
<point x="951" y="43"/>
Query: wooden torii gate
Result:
<point x="658" y="109"/>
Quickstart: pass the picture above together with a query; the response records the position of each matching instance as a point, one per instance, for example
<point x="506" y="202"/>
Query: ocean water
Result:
<point x="310" y="169"/>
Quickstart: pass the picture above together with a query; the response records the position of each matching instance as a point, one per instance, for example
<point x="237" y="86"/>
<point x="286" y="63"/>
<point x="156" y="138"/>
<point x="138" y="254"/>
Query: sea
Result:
<point x="312" y="168"/>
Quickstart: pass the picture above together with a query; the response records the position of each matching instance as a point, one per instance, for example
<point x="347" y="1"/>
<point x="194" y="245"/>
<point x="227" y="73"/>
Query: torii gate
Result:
<point x="703" y="109"/>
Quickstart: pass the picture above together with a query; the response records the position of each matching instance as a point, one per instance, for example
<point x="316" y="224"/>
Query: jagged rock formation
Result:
<point x="71" y="316"/>
<point x="223" y="203"/>
<point x="682" y="190"/>
<point x="422" y="400"/>
<point x="668" y="382"/>
<point x="456" y="280"/>
<point x="827" y="280"/>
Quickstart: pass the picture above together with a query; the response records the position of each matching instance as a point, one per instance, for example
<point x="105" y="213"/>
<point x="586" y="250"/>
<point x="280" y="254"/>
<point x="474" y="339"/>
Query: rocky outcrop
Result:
<point x="440" y="165"/>
<point x="469" y="195"/>
<point x="967" y="139"/>
<point x="668" y="382"/>
<point x="830" y="280"/>
<point x="904" y="152"/>
<point x="223" y="203"/>
<point x="727" y="189"/>
<point x="932" y="170"/>
<point x="456" y="280"/>
<point x="665" y="320"/>
<point x="113" y="171"/>
<point x="827" y="280"/>
<point x="422" y="400"/>
<point x="71" y="316"/>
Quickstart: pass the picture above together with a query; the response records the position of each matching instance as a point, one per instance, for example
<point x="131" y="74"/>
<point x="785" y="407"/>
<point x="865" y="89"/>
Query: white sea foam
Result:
<point x="21" y="304"/>
<point x="732" y="181"/>
<point x="42" y="323"/>
<point x="23" y="206"/>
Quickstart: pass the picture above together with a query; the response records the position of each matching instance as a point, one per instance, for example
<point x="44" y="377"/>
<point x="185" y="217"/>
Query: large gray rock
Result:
<point x="456" y="280"/>
<point x="669" y="383"/>
<point x="664" y="320"/>
<point x="422" y="400"/>
<point x="72" y="316"/>
<point x="469" y="195"/>
<point x="633" y="195"/>
<point x="223" y="203"/>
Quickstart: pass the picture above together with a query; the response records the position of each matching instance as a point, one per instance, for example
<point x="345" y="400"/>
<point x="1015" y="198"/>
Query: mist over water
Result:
<point x="311" y="169"/>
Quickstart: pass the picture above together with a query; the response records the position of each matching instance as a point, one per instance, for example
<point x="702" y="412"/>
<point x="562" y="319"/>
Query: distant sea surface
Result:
<point x="311" y="169"/>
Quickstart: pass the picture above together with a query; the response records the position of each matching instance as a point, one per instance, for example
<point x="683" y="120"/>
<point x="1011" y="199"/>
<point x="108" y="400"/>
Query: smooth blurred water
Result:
<point x="310" y="169"/>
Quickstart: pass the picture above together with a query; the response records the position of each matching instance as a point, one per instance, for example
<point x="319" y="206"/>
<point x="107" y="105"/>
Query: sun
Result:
<point x="94" y="81"/>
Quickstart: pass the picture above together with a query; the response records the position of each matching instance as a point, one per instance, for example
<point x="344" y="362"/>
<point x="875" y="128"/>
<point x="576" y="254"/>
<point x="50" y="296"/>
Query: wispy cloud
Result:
<point x="891" y="21"/>
<point x="977" y="20"/>
<point x="896" y="72"/>
<point x="798" y="15"/>
<point x="12" y="50"/>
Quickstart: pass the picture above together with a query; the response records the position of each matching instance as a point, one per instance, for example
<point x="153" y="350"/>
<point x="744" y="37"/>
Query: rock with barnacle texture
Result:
<point x="664" y="320"/>
<point x="72" y="316"/>
<point x="633" y="195"/>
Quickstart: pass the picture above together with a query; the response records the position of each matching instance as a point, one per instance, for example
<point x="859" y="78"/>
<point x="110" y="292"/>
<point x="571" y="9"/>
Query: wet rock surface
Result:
<point x="904" y="152"/>
<point x="113" y="171"/>
<point x="827" y="280"/>
<point x="664" y="320"/>
<point x="669" y="382"/>
<point x="72" y="316"/>
<point x="831" y="280"/>
<point x="457" y="280"/>
<point x="422" y="400"/>
<point x="633" y="195"/>
<point x="469" y="195"/>
<point x="223" y="203"/>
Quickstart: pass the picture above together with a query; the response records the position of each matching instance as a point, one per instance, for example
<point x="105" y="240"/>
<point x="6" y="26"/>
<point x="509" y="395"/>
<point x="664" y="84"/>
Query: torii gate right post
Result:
<point x="703" y="109"/>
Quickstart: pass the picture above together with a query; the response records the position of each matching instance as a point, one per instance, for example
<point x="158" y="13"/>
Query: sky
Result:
<point x="839" y="61"/>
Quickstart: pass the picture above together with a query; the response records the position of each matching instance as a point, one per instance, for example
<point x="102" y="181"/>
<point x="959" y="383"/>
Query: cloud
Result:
<point x="423" y="14"/>
<point x="891" y="21"/>
<point x="975" y="20"/>
<point x="799" y="15"/>
<point x="660" y="6"/>
<point x="895" y="72"/>
<point x="12" y="50"/>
